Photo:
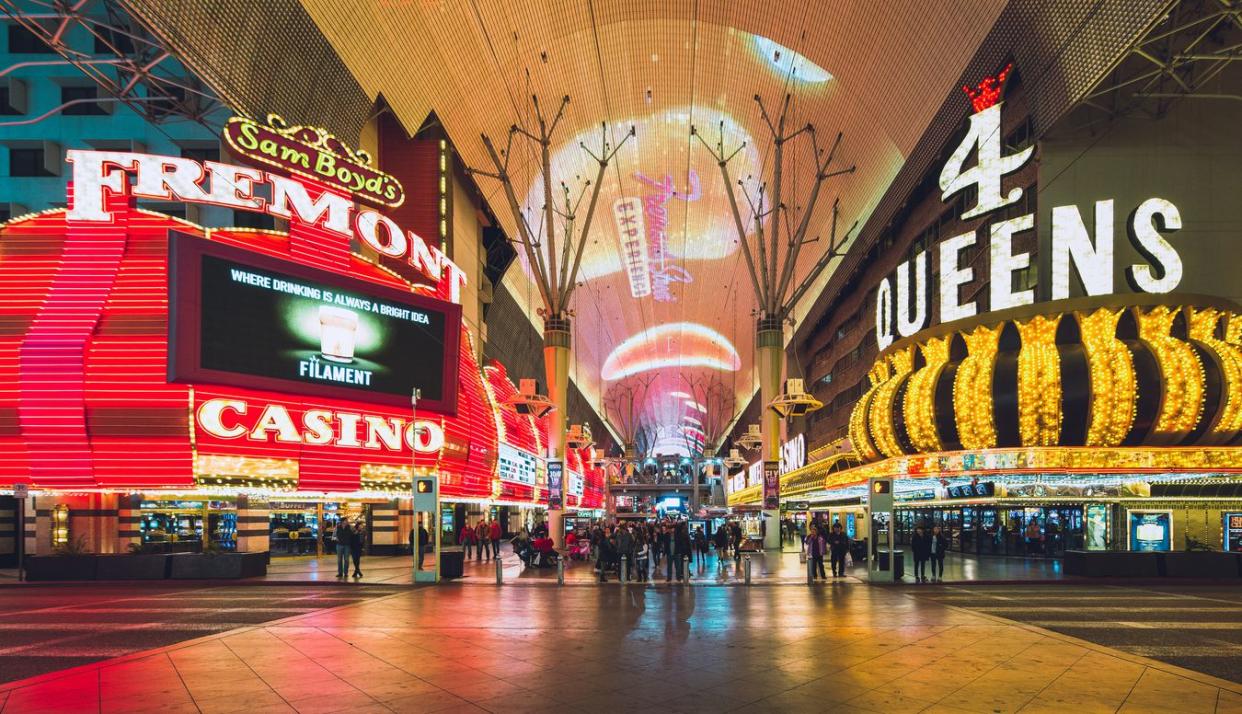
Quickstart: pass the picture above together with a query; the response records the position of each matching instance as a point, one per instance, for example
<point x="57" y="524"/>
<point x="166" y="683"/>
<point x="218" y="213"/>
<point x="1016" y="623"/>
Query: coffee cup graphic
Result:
<point x="338" y="333"/>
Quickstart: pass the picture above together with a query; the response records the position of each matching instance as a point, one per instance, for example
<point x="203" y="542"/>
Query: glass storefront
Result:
<point x="177" y="526"/>
<point x="999" y="529"/>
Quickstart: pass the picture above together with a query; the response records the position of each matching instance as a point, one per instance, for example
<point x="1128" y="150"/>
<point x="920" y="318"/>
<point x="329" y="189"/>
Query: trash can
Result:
<point x="452" y="560"/>
<point x="895" y="559"/>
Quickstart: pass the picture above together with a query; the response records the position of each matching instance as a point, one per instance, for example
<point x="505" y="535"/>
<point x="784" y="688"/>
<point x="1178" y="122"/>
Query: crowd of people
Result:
<point x="636" y="550"/>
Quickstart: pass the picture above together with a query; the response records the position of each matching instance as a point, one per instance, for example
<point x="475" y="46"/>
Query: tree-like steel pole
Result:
<point x="772" y="262"/>
<point x="539" y="245"/>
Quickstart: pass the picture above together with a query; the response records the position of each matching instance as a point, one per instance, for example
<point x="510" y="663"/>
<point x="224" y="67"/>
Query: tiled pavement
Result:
<point x="518" y="649"/>
<point x="1193" y="626"/>
<point x="766" y="569"/>
<point x="45" y="628"/>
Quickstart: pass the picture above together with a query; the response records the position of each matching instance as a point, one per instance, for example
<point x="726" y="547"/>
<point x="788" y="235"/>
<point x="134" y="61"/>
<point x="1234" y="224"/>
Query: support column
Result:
<point x="129" y="522"/>
<point x="770" y="356"/>
<point x="556" y="357"/>
<point x="385" y="530"/>
<point x="8" y="531"/>
<point x="254" y="530"/>
<point x="405" y="520"/>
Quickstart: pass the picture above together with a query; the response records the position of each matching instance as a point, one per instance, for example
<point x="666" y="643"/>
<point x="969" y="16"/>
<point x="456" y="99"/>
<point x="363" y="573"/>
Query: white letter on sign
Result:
<point x="1148" y="220"/>
<point x="1070" y="240"/>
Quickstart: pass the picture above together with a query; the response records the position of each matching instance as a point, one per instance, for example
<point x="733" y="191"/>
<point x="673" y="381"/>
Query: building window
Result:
<point x="25" y="42"/>
<point x="108" y="42"/>
<point x="8" y="102"/>
<point x="827" y="378"/>
<point x="27" y="163"/>
<point x="202" y="154"/>
<point x="83" y="108"/>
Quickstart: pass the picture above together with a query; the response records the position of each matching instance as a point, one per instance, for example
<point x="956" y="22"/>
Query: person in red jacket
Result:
<point x="466" y="538"/>
<point x="495" y="532"/>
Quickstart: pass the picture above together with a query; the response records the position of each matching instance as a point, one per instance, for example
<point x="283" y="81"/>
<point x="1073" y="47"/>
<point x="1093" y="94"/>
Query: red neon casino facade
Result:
<point x="159" y="377"/>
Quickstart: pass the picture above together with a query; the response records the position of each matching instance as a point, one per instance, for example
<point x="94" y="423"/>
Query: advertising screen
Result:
<point x="1097" y="526"/>
<point x="1233" y="532"/>
<point x="254" y="321"/>
<point x="1151" y="530"/>
<point x="517" y="466"/>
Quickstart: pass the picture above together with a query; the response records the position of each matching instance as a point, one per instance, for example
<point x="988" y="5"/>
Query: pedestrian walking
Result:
<point x="483" y="538"/>
<point x="682" y="550"/>
<point x="815" y="546"/>
<point x="838" y="546"/>
<point x="419" y="538"/>
<point x="343" y="536"/>
<point x="700" y="546"/>
<point x="939" y="546"/>
<point x="357" y="537"/>
<point x="921" y="545"/>
<point x="494" y="533"/>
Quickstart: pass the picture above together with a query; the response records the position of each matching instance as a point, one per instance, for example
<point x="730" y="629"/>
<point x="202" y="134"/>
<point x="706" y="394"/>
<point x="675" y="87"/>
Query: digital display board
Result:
<point x="1151" y="531"/>
<point x="1233" y="532"/>
<point x="516" y="466"/>
<point x="250" y="320"/>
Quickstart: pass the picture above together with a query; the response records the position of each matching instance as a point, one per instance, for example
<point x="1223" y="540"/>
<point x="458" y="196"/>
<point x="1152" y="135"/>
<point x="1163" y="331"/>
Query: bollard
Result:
<point x="810" y="571"/>
<point x="746" y="567"/>
<point x="560" y="571"/>
<point x="500" y="572"/>
<point x="625" y="571"/>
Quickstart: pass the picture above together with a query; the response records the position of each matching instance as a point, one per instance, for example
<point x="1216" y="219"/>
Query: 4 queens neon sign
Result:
<point x="902" y="303"/>
<point x="96" y="174"/>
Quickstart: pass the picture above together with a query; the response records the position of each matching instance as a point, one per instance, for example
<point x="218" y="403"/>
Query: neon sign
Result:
<point x="902" y="300"/>
<point x="683" y="344"/>
<point x="98" y="174"/>
<point x="235" y="419"/>
<point x="315" y="154"/>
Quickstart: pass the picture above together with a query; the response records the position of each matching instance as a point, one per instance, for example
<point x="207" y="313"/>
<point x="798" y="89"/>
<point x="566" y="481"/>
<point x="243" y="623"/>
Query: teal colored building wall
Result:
<point x="34" y="86"/>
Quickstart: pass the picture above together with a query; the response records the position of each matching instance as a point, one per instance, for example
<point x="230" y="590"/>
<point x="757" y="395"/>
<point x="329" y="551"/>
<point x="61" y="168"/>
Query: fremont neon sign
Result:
<point x="902" y="302"/>
<point x="97" y="174"/>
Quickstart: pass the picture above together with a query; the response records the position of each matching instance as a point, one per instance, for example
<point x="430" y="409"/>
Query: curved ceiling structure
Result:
<point x="675" y="298"/>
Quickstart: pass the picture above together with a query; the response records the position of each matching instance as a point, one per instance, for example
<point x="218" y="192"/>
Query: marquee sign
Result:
<point x="314" y="153"/>
<point x="225" y="418"/>
<point x="97" y="175"/>
<point x="903" y="301"/>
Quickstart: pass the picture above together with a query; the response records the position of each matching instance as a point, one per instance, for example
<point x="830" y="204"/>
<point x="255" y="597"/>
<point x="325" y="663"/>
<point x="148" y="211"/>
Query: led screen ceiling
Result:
<point x="664" y="287"/>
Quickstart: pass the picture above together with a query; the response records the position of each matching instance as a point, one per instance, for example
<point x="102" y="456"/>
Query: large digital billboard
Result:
<point x="249" y="320"/>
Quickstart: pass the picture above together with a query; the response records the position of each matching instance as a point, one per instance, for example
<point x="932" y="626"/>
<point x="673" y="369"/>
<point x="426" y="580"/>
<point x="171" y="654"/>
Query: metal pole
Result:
<point x="746" y="567"/>
<point x="21" y="542"/>
<point x="625" y="570"/>
<point x="500" y="572"/>
<point x="560" y="571"/>
<point x="810" y="570"/>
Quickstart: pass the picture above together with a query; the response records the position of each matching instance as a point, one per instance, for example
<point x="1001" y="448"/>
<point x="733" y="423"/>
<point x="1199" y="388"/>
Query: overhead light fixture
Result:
<point x="751" y="440"/>
<point x="528" y="401"/>
<point x="734" y="459"/>
<point x="795" y="401"/>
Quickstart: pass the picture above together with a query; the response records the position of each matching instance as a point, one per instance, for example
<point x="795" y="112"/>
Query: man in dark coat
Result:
<point x="838" y="546"/>
<point x="922" y="546"/>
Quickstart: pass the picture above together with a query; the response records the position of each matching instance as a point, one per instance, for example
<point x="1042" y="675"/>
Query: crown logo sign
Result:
<point x="988" y="93"/>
